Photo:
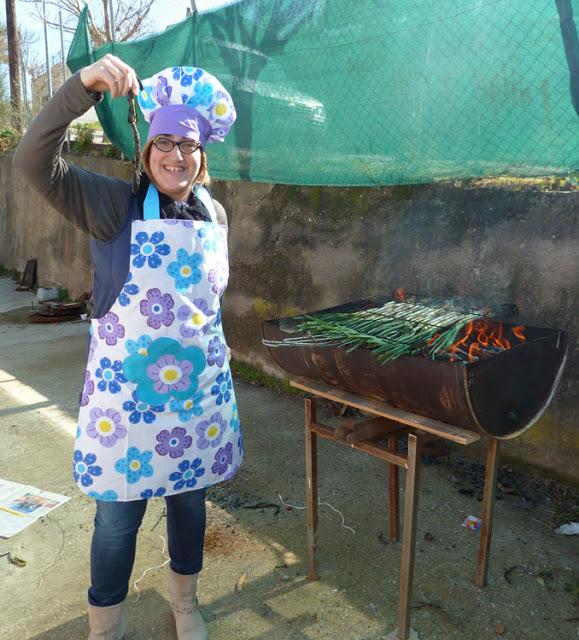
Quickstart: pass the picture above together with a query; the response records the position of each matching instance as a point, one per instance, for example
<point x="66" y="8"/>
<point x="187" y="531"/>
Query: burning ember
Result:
<point x="483" y="338"/>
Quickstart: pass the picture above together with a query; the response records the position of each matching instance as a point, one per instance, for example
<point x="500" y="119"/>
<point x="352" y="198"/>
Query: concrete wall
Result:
<point x="304" y="248"/>
<point x="29" y="228"/>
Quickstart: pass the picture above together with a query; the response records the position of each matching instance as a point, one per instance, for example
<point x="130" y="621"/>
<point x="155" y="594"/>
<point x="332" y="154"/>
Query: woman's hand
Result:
<point x="110" y="74"/>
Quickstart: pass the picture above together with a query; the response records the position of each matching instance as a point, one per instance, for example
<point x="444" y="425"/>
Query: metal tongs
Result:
<point x="132" y="120"/>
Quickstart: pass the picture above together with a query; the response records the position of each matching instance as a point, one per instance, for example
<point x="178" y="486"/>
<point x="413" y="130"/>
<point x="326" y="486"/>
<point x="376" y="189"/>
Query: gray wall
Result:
<point x="304" y="248"/>
<point x="29" y="228"/>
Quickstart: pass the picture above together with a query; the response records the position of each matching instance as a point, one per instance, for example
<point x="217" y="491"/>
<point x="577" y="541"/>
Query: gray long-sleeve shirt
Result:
<point x="96" y="203"/>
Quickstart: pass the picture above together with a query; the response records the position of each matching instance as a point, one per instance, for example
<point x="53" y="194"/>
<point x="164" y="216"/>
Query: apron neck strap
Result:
<point x="201" y="192"/>
<point x="152" y="208"/>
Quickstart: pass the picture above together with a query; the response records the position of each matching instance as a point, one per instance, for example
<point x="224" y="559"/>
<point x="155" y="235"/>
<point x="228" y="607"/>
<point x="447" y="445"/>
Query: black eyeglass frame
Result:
<point x="178" y="144"/>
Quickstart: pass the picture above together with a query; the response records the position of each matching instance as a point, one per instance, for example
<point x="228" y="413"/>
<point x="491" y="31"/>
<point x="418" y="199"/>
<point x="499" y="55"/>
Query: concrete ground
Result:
<point x="254" y="584"/>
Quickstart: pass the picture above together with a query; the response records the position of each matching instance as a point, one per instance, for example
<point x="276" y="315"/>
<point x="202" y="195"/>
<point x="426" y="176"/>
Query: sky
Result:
<point x="163" y="14"/>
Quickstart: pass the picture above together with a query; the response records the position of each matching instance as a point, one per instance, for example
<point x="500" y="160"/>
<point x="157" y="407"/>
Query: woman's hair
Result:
<point x="202" y="177"/>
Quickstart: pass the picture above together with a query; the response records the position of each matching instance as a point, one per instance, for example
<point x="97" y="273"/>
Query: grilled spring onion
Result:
<point x="390" y="331"/>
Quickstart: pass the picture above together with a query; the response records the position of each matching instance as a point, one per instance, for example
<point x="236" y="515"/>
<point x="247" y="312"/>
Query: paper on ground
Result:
<point x="21" y="505"/>
<point x="571" y="529"/>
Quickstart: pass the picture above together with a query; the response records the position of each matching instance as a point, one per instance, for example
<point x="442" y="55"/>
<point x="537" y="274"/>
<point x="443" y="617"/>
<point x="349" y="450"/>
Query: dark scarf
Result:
<point x="193" y="209"/>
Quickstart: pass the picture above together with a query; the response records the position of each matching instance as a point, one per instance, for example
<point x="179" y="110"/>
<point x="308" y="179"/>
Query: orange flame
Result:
<point x="469" y="328"/>
<point x="400" y="295"/>
<point x="519" y="332"/>
<point x="484" y="334"/>
<point x="473" y="351"/>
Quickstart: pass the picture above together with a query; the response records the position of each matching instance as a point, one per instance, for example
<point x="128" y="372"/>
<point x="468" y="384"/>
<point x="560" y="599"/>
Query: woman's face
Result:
<point x="173" y="171"/>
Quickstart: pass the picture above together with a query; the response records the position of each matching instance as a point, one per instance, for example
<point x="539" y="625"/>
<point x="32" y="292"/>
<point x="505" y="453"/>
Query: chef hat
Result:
<point x="188" y="102"/>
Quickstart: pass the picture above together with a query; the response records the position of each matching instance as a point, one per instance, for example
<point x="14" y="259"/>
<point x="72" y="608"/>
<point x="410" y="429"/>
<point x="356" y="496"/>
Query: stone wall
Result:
<point x="304" y="248"/>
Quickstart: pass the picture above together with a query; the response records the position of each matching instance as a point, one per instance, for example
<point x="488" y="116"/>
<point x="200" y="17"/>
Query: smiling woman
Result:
<point x="158" y="417"/>
<point x="174" y="163"/>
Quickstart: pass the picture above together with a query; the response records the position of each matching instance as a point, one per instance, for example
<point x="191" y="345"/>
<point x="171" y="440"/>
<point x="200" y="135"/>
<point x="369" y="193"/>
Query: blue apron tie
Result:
<point x="151" y="207"/>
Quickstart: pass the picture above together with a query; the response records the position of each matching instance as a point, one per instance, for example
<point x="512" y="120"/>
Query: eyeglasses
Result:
<point x="185" y="146"/>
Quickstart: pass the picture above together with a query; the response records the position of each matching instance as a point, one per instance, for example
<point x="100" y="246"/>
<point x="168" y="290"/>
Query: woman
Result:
<point x="158" y="414"/>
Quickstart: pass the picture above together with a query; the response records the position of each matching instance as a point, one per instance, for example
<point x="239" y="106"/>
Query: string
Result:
<point x="321" y="504"/>
<point x="160" y="566"/>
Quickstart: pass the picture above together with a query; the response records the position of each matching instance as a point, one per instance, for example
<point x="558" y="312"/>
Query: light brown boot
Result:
<point x="183" y="589"/>
<point x="106" y="623"/>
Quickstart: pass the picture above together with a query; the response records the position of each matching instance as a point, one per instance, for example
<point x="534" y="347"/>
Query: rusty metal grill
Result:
<point x="498" y="389"/>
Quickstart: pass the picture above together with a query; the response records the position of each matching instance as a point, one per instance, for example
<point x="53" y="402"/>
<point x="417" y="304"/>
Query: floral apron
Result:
<point x="158" y="414"/>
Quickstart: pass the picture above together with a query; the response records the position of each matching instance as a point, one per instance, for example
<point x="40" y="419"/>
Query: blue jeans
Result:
<point x="115" y="536"/>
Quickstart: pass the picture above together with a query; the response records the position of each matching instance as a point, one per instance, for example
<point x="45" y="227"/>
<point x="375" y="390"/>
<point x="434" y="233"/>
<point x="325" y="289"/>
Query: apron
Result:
<point x="158" y="414"/>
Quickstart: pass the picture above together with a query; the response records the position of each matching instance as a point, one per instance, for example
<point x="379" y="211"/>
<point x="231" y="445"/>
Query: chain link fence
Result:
<point x="377" y="92"/>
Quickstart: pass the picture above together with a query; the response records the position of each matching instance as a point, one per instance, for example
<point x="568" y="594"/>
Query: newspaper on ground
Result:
<point x="21" y="505"/>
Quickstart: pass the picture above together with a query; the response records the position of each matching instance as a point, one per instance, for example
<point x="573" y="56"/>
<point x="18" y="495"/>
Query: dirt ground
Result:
<point x="254" y="585"/>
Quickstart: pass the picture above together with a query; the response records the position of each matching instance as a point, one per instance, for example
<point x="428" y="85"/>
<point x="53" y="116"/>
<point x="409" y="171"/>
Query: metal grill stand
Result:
<point x="378" y="437"/>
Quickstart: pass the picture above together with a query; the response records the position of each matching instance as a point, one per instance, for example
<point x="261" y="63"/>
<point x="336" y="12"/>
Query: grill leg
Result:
<point x="409" y="536"/>
<point x="312" y="488"/>
<point x="394" y="492"/>
<point x="482" y="563"/>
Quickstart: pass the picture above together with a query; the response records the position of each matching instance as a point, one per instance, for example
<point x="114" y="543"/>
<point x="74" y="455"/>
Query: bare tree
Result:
<point x="3" y="44"/>
<point x="130" y="20"/>
<point x="30" y="67"/>
<point x="5" y="113"/>
<point x="13" y="64"/>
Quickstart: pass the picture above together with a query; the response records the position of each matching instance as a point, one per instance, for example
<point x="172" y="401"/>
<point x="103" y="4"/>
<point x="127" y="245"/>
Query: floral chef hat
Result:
<point x="188" y="102"/>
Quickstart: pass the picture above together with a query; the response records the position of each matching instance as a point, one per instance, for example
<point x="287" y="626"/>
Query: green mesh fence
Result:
<point x="376" y="92"/>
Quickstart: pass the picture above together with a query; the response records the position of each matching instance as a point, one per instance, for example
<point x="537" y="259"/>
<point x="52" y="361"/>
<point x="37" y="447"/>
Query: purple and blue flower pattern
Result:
<point x="217" y="281"/>
<point x="106" y="426"/>
<point x="195" y="88"/>
<point x="216" y="352"/>
<point x="157" y="493"/>
<point x="185" y="270"/>
<point x="157" y="308"/>
<point x="189" y="224"/>
<point x="223" y="459"/>
<point x="188" y="408"/>
<point x="163" y="91"/>
<point x="110" y="329"/>
<point x="91" y="347"/>
<point x="210" y="432"/>
<point x="186" y="75"/>
<point x="140" y="345"/>
<point x="106" y="496"/>
<point x="234" y="422"/>
<point x="148" y="249"/>
<point x="158" y="414"/>
<point x="87" y="390"/>
<point x="195" y="319"/>
<point x="167" y="371"/>
<point x="110" y="375"/>
<point x="174" y="442"/>
<point x="210" y="238"/>
<point x="141" y="410"/>
<point x="129" y="289"/>
<point x="135" y="465"/>
<point x="84" y="468"/>
<point x="222" y="388"/>
<point x="188" y="474"/>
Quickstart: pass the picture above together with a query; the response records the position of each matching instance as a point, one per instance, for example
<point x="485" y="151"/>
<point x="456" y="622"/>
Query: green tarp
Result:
<point x="375" y="92"/>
